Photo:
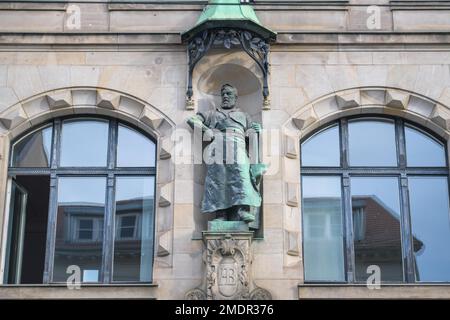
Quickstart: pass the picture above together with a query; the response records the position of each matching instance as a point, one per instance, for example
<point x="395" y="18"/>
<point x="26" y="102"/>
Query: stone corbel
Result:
<point x="292" y="194"/>
<point x="151" y="119"/>
<point x="441" y="117"/>
<point x="397" y="99"/>
<point x="348" y="99"/>
<point x="108" y="99"/>
<point x="291" y="147"/>
<point x="305" y="119"/>
<point x="58" y="100"/>
<point x="13" y="118"/>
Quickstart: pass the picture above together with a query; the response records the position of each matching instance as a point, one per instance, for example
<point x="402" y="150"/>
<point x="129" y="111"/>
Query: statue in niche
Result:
<point x="232" y="159"/>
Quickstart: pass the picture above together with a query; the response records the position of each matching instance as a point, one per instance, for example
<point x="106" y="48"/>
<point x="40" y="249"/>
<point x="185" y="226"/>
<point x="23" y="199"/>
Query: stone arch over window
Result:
<point x="107" y="104"/>
<point x="426" y="113"/>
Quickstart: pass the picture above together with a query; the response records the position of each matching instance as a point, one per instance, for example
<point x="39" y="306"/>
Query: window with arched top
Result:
<point x="81" y="203"/>
<point x="375" y="197"/>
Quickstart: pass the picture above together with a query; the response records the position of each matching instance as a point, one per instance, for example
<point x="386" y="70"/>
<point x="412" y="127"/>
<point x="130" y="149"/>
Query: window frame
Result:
<point x="110" y="172"/>
<point x="401" y="172"/>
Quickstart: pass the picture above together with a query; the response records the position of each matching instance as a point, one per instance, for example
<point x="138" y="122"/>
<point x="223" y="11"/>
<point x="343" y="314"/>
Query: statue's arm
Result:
<point x="197" y="121"/>
<point x="253" y="125"/>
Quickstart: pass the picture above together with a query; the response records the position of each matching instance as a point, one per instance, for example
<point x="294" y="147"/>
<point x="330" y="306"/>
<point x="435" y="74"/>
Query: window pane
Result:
<point x="430" y="227"/>
<point x="376" y="227"/>
<point x="372" y="143"/>
<point x="79" y="232"/>
<point x="133" y="245"/>
<point x="34" y="150"/>
<point x="322" y="149"/>
<point x="84" y="143"/>
<point x="322" y="232"/>
<point x="134" y="149"/>
<point x="422" y="150"/>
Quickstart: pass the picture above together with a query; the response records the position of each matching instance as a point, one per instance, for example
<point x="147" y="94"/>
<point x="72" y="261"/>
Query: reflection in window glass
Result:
<point x="372" y="143"/>
<point x="322" y="149"/>
<point x="323" y="229"/>
<point x="133" y="244"/>
<point x="79" y="227"/>
<point x="422" y="150"/>
<point x="134" y="149"/>
<point x="430" y="223"/>
<point x="34" y="150"/>
<point x="84" y="143"/>
<point x="376" y="227"/>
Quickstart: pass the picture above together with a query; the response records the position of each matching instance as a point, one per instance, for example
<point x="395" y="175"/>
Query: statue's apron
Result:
<point x="228" y="180"/>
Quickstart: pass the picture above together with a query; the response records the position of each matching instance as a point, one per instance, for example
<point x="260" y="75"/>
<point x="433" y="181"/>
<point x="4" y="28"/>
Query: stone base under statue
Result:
<point x="227" y="226"/>
<point x="228" y="262"/>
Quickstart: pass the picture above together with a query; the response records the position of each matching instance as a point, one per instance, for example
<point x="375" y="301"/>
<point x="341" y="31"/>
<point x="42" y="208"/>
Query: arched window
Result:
<point x="375" y="195"/>
<point x="82" y="203"/>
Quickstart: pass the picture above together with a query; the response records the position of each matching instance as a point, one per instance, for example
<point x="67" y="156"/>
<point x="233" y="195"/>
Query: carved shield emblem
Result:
<point x="227" y="277"/>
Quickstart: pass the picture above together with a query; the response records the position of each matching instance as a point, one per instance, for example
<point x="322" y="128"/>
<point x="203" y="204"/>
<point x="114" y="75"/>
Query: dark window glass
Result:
<point x="133" y="245"/>
<point x="322" y="228"/>
<point x="33" y="150"/>
<point x="430" y="222"/>
<point x="376" y="226"/>
<point x="80" y="212"/>
<point x="372" y="143"/>
<point x="134" y="149"/>
<point x="322" y="149"/>
<point x="86" y="229"/>
<point x="127" y="226"/>
<point x="422" y="150"/>
<point x="84" y="143"/>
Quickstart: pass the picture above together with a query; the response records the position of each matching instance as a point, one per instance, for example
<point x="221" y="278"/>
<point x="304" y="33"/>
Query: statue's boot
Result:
<point x="221" y="216"/>
<point x="245" y="215"/>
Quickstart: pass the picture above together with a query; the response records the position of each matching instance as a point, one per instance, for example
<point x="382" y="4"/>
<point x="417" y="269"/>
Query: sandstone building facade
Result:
<point x="93" y="111"/>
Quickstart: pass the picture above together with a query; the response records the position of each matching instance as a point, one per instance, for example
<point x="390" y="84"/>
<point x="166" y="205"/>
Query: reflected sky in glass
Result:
<point x="84" y="143"/>
<point x="385" y="189"/>
<point x="430" y="222"/>
<point x="134" y="149"/>
<point x="376" y="226"/>
<point x="323" y="229"/>
<point x="86" y="189"/>
<point x="322" y="149"/>
<point x="372" y="143"/>
<point x="422" y="150"/>
<point x="34" y="150"/>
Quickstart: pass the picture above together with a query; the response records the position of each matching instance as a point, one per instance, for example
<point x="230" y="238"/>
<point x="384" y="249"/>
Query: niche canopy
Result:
<point x="228" y="23"/>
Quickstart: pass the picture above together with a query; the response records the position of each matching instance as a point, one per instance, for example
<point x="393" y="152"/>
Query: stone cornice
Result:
<point x="386" y="39"/>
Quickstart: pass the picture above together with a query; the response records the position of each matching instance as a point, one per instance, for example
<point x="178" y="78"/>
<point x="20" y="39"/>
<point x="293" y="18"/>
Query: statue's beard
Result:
<point x="227" y="105"/>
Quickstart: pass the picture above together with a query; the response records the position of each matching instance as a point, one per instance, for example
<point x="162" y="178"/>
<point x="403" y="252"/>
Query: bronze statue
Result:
<point x="232" y="181"/>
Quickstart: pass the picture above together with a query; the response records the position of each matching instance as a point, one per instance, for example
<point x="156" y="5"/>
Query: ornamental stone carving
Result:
<point x="228" y="261"/>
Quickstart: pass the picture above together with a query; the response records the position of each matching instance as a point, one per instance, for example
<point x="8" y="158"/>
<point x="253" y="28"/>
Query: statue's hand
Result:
<point x="208" y="135"/>
<point x="256" y="126"/>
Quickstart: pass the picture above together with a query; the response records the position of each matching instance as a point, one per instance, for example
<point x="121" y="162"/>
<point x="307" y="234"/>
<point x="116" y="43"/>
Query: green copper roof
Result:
<point x="229" y="14"/>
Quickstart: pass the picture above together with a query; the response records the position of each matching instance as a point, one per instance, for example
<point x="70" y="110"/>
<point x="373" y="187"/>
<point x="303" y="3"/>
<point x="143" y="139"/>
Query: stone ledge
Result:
<point x="360" y="291"/>
<point x="89" y="38"/>
<point x="383" y="39"/>
<point x="87" y="291"/>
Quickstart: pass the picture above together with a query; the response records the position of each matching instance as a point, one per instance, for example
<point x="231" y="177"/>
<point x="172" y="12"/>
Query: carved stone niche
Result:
<point x="228" y="259"/>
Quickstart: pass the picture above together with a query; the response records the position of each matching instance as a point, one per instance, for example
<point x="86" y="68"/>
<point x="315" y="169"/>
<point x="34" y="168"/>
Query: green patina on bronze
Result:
<point x="232" y="182"/>
<point x="229" y="14"/>
<point x="224" y="226"/>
